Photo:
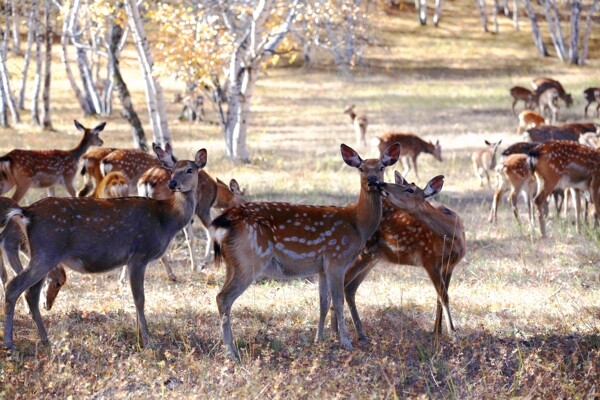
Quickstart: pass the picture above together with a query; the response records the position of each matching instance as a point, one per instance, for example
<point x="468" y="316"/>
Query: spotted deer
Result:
<point x="115" y="184"/>
<point x="90" y="171"/>
<point x="592" y="95"/>
<point x="541" y="84"/>
<point x="412" y="231"/>
<point x="529" y="119"/>
<point x="97" y="235"/>
<point x="519" y="93"/>
<point x="290" y="241"/>
<point x="46" y="168"/>
<point x="410" y="147"/>
<point x="360" y="123"/>
<point x="514" y="175"/>
<point x="569" y="164"/>
<point x="132" y="162"/>
<point x="484" y="161"/>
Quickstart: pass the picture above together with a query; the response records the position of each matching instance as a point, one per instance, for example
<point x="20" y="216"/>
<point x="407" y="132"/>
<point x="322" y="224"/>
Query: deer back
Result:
<point x="132" y="162"/>
<point x="564" y="158"/>
<point x="91" y="162"/>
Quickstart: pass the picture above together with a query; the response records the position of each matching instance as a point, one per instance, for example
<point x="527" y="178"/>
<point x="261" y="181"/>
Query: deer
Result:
<point x="46" y="168"/>
<point x="92" y="235"/>
<point x="132" y="162"/>
<point x="568" y="164"/>
<point x="359" y="122"/>
<point x="286" y="240"/>
<point x="539" y="85"/>
<point x="484" y="160"/>
<point x="591" y="95"/>
<point x="519" y="93"/>
<point x="193" y="107"/>
<point x="529" y="119"/>
<point x="548" y="100"/>
<point x="570" y="132"/>
<point x="90" y="171"/>
<point x="115" y="184"/>
<point x="514" y="175"/>
<point x="415" y="232"/>
<point x="590" y="139"/>
<point x="410" y="147"/>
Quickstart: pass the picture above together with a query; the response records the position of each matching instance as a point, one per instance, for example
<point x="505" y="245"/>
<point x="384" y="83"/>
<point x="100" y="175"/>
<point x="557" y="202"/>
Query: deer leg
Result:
<point x="443" y="306"/>
<point x="414" y="162"/>
<point x="586" y="109"/>
<point x="323" y="308"/>
<point x="189" y="240"/>
<point x="335" y="280"/>
<point x="540" y="200"/>
<point x="513" y="107"/>
<point x="577" y="200"/>
<point x="32" y="295"/>
<point x="513" y="197"/>
<point x="137" y="271"/>
<point x="406" y="165"/>
<point x="598" y="110"/>
<point x="69" y="186"/>
<point x="494" y="210"/>
<point x="51" y="190"/>
<point x="164" y="260"/>
<point x="350" y="289"/>
<point x="20" y="191"/>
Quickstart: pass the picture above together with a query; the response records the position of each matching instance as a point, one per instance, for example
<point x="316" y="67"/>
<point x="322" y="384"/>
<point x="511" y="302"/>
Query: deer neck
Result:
<point x="352" y="115"/>
<point x="81" y="148"/>
<point x="444" y="225"/>
<point x="367" y="211"/>
<point x="179" y="209"/>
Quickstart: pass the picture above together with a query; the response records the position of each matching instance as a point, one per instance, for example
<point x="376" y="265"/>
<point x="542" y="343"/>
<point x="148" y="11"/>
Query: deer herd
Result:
<point x="132" y="204"/>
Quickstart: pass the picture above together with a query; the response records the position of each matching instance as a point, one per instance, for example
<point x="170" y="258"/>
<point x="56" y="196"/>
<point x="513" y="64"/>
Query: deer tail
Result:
<point x="220" y="230"/>
<point x="6" y="167"/>
<point x="532" y="158"/>
<point x="16" y="215"/>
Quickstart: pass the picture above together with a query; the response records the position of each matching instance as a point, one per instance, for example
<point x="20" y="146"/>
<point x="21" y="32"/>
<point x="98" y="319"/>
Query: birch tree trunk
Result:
<point x="46" y="115"/>
<point x="575" y="19"/>
<point x="16" y="24"/>
<point x="9" y="100"/>
<point x="422" y="12"/>
<point x="535" y="30"/>
<point x="27" y="60"/>
<point x="482" y="14"/>
<point x="553" y="20"/>
<point x="588" y="27"/>
<point x="437" y="14"/>
<point x="516" y="14"/>
<point x="37" y="81"/>
<point x="154" y="93"/>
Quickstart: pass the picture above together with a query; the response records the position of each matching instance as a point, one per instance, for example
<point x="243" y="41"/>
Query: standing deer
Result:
<point x="484" y="161"/>
<point x="92" y="175"/>
<point x="592" y="95"/>
<point x="291" y="241"/>
<point x="519" y="93"/>
<point x="410" y="147"/>
<point x="416" y="232"/>
<point x="46" y="168"/>
<point x="132" y="162"/>
<point x="97" y="235"/>
<point x="568" y="163"/>
<point x="539" y="85"/>
<point x="529" y="119"/>
<point x="548" y="100"/>
<point x="514" y="175"/>
<point x="359" y="122"/>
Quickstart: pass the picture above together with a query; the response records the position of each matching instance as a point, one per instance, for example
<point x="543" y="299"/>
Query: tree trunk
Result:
<point x="422" y="12"/>
<point x="482" y="14"/>
<point x="437" y="13"/>
<point x="516" y="14"/>
<point x="26" y="62"/>
<point x="495" y="15"/>
<point x="535" y="30"/>
<point x="37" y="81"/>
<point x="588" y="27"/>
<point x="154" y="94"/>
<point x="575" y="19"/>
<point x="46" y="116"/>
<point x="16" y="23"/>
<point x="553" y="20"/>
<point x="9" y="100"/>
<point x="139" y="137"/>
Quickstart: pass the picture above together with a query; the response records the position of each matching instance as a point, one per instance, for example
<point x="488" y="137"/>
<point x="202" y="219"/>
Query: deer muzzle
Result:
<point x="172" y="184"/>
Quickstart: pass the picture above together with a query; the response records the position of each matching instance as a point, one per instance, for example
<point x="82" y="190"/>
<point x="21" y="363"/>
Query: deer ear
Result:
<point x="488" y="143"/>
<point x="234" y="186"/>
<point x="164" y="156"/>
<point x="79" y="126"/>
<point x="391" y="155"/>
<point x="399" y="179"/>
<point x="99" y="128"/>
<point x="434" y="186"/>
<point x="350" y="156"/>
<point x="201" y="158"/>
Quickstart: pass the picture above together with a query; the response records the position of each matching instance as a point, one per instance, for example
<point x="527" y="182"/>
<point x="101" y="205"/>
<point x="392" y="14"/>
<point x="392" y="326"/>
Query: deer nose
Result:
<point x="172" y="185"/>
<point x="372" y="180"/>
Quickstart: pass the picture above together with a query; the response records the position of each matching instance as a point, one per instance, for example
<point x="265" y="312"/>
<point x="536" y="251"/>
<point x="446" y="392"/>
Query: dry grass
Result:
<point x="527" y="310"/>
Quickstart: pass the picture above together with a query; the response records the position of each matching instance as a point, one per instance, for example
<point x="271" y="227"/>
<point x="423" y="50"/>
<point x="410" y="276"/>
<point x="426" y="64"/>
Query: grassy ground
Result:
<point x="527" y="310"/>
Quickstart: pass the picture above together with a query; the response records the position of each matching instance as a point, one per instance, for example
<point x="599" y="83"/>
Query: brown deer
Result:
<point x="291" y="241"/>
<point x="514" y="175"/>
<point x="519" y="93"/>
<point x="97" y="235"/>
<point x="92" y="175"/>
<point x="484" y="161"/>
<point x="547" y="100"/>
<point x="46" y="168"/>
<point x="570" y="132"/>
<point x="539" y="85"/>
<point x="592" y="95"/>
<point x="112" y="186"/>
<point x="416" y="232"/>
<point x="410" y="147"/>
<point x="529" y="119"/>
<point x="569" y="164"/>
<point x="359" y="122"/>
<point x="132" y="162"/>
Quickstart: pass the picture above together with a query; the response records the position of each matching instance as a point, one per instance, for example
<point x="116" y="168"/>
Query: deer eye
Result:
<point x="381" y="168"/>
<point x="409" y="190"/>
<point x="361" y="169"/>
<point x="189" y="171"/>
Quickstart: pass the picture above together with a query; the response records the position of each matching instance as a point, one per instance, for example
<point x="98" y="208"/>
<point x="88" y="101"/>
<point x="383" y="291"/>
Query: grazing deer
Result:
<point x="539" y="85"/>
<point x="92" y="175"/>
<point x="132" y="162"/>
<point x="592" y="95"/>
<point x="45" y="168"/>
<point x="291" y="241"/>
<point x="514" y="175"/>
<point x="410" y="147"/>
<point x="569" y="164"/>
<point x="484" y="161"/>
<point x="359" y="122"/>
<point x="548" y="100"/>
<point x="519" y="93"/>
<point x="97" y="235"/>
<point x="529" y="119"/>
<point x="412" y="232"/>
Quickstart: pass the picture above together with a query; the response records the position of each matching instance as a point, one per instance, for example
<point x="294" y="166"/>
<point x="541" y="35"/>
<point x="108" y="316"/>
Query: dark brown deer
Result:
<point x="592" y="95"/>
<point x="291" y="241"/>
<point x="568" y="163"/>
<point x="97" y="235"/>
<point x="570" y="132"/>
<point x="539" y="85"/>
<point x="360" y="123"/>
<point x="484" y="161"/>
<point x="519" y="93"/>
<point x="415" y="232"/>
<point x="92" y="175"/>
<point x="46" y="168"/>
<point x="410" y="147"/>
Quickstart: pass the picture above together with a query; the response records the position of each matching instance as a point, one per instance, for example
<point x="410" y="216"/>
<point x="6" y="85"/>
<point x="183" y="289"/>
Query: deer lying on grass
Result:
<point x="98" y="235"/>
<point x="519" y="93"/>
<point x="541" y="84"/>
<point x="359" y="122"/>
<point x="291" y="241"/>
<point x="592" y="95"/>
<point x="514" y="175"/>
<point x="568" y="163"/>
<point x="46" y="168"/>
<point x="412" y="232"/>
<point x="90" y="171"/>
<point x="410" y="147"/>
<point x="484" y="161"/>
<point x="529" y="119"/>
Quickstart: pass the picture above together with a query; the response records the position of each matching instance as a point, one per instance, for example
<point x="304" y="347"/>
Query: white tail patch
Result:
<point x="105" y="168"/>
<point x="218" y="234"/>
